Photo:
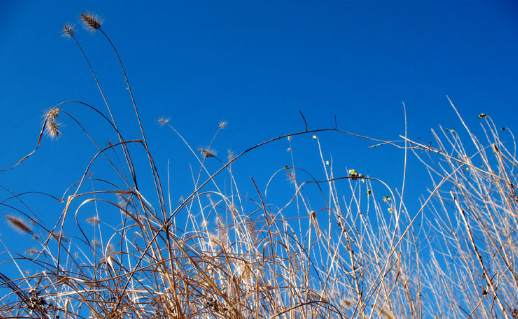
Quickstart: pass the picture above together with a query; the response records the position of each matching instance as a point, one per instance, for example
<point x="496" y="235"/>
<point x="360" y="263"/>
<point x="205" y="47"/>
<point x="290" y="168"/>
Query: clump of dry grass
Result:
<point x="343" y="246"/>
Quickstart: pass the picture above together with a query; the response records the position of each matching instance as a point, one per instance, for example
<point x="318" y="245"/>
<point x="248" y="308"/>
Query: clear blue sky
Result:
<point x="253" y="64"/>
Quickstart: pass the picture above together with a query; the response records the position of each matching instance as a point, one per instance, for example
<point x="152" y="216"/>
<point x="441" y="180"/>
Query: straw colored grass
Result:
<point x="344" y="246"/>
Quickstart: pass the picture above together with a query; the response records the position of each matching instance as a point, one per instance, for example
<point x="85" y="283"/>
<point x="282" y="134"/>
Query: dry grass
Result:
<point x="341" y="247"/>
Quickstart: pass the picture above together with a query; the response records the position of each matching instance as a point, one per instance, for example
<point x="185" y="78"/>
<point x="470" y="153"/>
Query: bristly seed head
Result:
<point x="32" y="251"/>
<point x="93" y="220"/>
<point x="68" y="31"/>
<point x="223" y="125"/>
<point x="18" y="224"/>
<point x="52" y="129"/>
<point x="52" y="114"/>
<point x="207" y="152"/>
<point x="91" y="21"/>
<point x="230" y="155"/>
<point x="58" y="237"/>
<point x="163" y="121"/>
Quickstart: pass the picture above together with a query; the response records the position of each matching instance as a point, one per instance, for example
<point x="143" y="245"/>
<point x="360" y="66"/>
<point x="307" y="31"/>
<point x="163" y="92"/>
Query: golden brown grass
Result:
<point x="344" y="246"/>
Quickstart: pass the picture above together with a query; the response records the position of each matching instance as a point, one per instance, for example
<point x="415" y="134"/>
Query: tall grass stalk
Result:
<point x="344" y="246"/>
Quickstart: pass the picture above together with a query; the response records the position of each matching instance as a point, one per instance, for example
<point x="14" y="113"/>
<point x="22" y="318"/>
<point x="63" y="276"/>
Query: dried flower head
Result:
<point x="68" y="31"/>
<point x="223" y="125"/>
<point x="95" y="243"/>
<point x="18" y="224"/>
<point x="91" y="21"/>
<point x="207" y="152"/>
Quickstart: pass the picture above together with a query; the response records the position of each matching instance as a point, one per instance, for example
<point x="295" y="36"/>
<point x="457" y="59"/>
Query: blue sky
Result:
<point x="254" y="64"/>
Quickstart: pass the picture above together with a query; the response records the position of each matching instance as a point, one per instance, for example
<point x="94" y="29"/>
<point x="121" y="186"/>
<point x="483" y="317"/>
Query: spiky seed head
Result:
<point x="18" y="224"/>
<point x="68" y="31"/>
<point x="292" y="177"/>
<point x="57" y="236"/>
<point x="207" y="152"/>
<point x="163" y="121"/>
<point x="32" y="251"/>
<point x="52" y="129"/>
<point x="91" y="21"/>
<point x="223" y="125"/>
<point x="52" y="114"/>
<point x="93" y="220"/>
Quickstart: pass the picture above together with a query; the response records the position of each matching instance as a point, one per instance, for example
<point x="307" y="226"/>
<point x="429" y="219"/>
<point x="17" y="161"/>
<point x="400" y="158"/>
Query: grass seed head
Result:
<point x="207" y="152"/>
<point x="52" y="114"/>
<point x="31" y="251"/>
<point x="52" y="129"/>
<point x="230" y="155"/>
<point x="163" y="121"/>
<point x="18" y="224"/>
<point x="68" y="31"/>
<point x="94" y="220"/>
<point x="91" y="21"/>
<point x="57" y="237"/>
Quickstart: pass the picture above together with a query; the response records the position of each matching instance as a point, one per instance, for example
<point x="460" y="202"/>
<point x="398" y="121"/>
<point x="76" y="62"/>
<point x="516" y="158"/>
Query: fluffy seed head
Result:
<point x="68" y="31"/>
<point x="52" y="114"/>
<point x="291" y="177"/>
<point x="90" y="21"/>
<point x="163" y="121"/>
<point x="93" y="220"/>
<point x="32" y="251"/>
<point x="57" y="237"/>
<point x="52" y="129"/>
<point x="207" y="152"/>
<point x="18" y="224"/>
<point x="223" y="125"/>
